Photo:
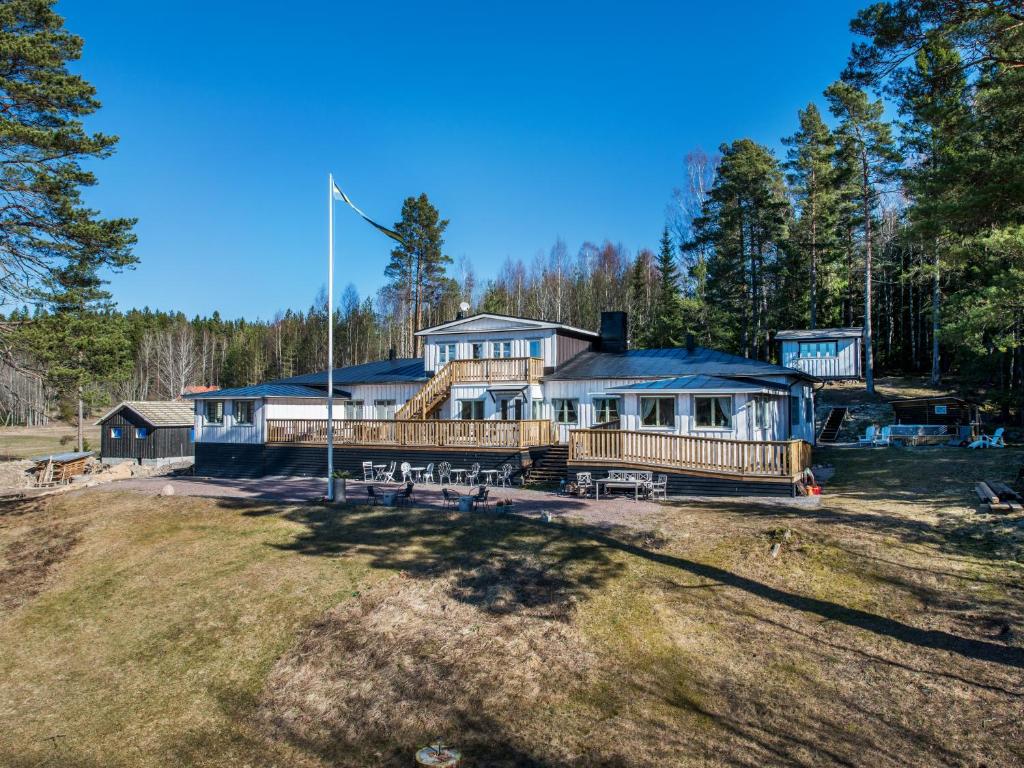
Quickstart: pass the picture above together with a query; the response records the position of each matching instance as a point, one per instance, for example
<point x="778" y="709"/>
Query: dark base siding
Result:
<point x="245" y="461"/>
<point x="699" y="485"/>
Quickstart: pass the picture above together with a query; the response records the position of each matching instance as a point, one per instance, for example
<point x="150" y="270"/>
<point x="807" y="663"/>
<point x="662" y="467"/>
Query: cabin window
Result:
<point x="501" y="349"/>
<point x="115" y="433"/>
<point x="808" y="410"/>
<point x="477" y="348"/>
<point x="759" y="408"/>
<point x="535" y="348"/>
<point x="818" y="349"/>
<point x="141" y="433"/>
<point x="445" y="353"/>
<point x="658" y="411"/>
<point x="713" y="412"/>
<point x="536" y="409"/>
<point x="606" y="409"/>
<point x="384" y="409"/>
<point x="940" y="410"/>
<point x="243" y="411"/>
<point x="215" y="411"/>
<point x="566" y="410"/>
<point x="352" y="409"/>
<point x="471" y="409"/>
<point x="794" y="411"/>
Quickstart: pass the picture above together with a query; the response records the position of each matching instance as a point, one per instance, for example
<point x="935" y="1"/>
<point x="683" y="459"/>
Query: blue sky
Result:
<point x="523" y="122"/>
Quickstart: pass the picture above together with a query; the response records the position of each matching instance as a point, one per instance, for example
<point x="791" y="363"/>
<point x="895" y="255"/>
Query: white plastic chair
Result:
<point x="368" y="471"/>
<point x="427" y="476"/>
<point x="406" y="472"/>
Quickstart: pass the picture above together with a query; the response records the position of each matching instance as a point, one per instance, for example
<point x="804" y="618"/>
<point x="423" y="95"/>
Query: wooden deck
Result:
<point x="683" y="453"/>
<point x="413" y="432"/>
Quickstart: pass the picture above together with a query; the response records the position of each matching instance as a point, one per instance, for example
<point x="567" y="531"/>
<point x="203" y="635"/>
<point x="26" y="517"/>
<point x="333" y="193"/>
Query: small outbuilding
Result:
<point x="831" y="354"/>
<point x="941" y="409"/>
<point x="148" y="432"/>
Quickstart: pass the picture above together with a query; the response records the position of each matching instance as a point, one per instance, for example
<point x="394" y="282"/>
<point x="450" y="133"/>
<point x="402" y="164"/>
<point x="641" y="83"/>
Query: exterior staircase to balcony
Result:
<point x="431" y="396"/>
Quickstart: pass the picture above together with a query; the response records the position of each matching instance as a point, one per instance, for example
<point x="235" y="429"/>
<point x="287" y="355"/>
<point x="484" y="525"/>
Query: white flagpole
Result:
<point x="330" y="337"/>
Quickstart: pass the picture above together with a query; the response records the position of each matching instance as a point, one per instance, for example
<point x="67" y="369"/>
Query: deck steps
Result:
<point x="833" y="423"/>
<point x="549" y="465"/>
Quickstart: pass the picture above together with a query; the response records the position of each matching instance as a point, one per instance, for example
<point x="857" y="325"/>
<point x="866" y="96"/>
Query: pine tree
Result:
<point x="867" y="138"/>
<point x="666" y="327"/>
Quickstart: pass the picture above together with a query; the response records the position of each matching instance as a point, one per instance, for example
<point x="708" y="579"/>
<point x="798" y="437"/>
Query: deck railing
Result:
<point x="822" y="367"/>
<point x="751" y="458"/>
<point x="487" y="370"/>
<point x="430" y="433"/>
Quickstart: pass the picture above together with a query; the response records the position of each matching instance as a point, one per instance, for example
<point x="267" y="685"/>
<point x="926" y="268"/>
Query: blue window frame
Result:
<point x="116" y="433"/>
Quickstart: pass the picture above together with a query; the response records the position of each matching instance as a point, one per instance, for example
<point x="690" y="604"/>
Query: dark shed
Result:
<point x="148" y="431"/>
<point x="944" y="409"/>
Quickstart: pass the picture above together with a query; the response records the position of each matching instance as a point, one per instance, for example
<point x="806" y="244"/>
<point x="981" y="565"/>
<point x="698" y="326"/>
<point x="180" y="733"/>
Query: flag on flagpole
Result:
<point x="339" y="195"/>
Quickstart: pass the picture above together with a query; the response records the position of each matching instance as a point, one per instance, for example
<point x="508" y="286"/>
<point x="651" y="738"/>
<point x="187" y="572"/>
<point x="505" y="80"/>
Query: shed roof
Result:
<point x="271" y="389"/>
<point x="666" y="363"/>
<point x="409" y="369"/>
<point x="929" y="399"/>
<point x="156" y="413"/>
<point x="702" y="383"/>
<point x="855" y="332"/>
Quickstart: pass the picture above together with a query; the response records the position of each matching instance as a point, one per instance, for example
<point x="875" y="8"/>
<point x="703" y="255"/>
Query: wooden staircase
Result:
<point x="833" y="423"/>
<point x="432" y="395"/>
<point x="550" y="466"/>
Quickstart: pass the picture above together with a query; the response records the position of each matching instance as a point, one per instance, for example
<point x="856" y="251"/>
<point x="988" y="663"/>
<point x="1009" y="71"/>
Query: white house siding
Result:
<point x="846" y="364"/>
<point x="464" y="345"/>
<point x="229" y="431"/>
<point x="315" y="408"/>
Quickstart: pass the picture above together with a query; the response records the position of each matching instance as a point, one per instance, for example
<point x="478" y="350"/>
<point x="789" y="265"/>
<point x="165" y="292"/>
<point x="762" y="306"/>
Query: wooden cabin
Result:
<point x="830" y="354"/>
<point x="941" y="409"/>
<point x="148" y="432"/>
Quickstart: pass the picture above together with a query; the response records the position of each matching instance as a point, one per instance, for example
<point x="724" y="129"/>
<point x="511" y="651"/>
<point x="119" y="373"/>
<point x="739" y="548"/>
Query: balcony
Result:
<point x="823" y="367"/>
<point x="429" y="433"/>
<point x="496" y="370"/>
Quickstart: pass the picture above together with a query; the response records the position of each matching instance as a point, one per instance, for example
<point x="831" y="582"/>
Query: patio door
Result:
<point x="510" y="408"/>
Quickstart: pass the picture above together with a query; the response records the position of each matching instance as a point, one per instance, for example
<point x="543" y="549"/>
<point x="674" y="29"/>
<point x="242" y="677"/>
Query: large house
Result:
<point x="493" y="389"/>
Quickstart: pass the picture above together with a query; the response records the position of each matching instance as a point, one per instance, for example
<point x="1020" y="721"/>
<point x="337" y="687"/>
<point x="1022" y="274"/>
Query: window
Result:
<point x="352" y="409"/>
<point x="215" y="411"/>
<point x="384" y="409"/>
<point x="141" y="433"/>
<point x="477" y="348"/>
<point x="606" y="409"/>
<point x="794" y="411"/>
<point x="445" y="353"/>
<point x="808" y="410"/>
<point x="713" y="412"/>
<point x="759" y="411"/>
<point x="471" y="409"/>
<point x="192" y="435"/>
<point x="510" y="408"/>
<point x="535" y="348"/>
<point x="657" y="411"/>
<point x="818" y="349"/>
<point x="115" y="433"/>
<point x="941" y="410"/>
<point x="536" y="409"/>
<point x="243" y="411"/>
<point x="501" y="349"/>
<point x="566" y="411"/>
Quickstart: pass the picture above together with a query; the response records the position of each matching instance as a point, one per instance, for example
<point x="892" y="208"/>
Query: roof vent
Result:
<point x="614" y="336"/>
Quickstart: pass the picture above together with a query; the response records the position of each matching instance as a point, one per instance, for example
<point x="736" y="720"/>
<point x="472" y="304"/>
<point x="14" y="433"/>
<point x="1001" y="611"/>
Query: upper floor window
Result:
<point x="566" y="411"/>
<point x="818" y="349"/>
<point x="215" y="411"/>
<point x="501" y="349"/>
<point x="606" y="409"/>
<point x="445" y="353"/>
<point x="244" y="410"/>
<point x="658" y="411"/>
<point x="477" y="348"/>
<point x="535" y="348"/>
<point x="713" y="412"/>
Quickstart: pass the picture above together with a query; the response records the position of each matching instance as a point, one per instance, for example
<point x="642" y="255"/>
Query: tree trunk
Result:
<point x="81" y="436"/>
<point x="869" y="371"/>
<point x="936" y="318"/>
<point x="814" y="259"/>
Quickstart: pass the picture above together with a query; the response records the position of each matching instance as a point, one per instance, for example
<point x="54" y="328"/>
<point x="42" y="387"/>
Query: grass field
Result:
<point x="25" y="442"/>
<point x="889" y="631"/>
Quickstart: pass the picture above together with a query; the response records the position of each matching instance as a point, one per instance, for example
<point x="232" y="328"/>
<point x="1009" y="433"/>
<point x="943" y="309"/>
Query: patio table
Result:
<point x="417" y="473"/>
<point x="490" y="475"/>
<point x="457" y="474"/>
<point x="608" y="482"/>
<point x="378" y="471"/>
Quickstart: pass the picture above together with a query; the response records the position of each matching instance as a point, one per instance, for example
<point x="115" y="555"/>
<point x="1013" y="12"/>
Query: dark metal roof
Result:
<point x="380" y="372"/>
<point x="821" y="333"/>
<point x="272" y="389"/>
<point x="702" y="382"/>
<point x="663" y="363"/>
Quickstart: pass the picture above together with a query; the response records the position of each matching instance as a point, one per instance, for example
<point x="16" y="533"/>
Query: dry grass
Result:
<point x="25" y="442"/>
<point x="888" y="631"/>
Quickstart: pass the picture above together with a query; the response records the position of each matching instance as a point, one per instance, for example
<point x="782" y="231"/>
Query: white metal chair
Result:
<point x="505" y="475"/>
<point x="473" y="474"/>
<point x="406" y="472"/>
<point x="659" y="488"/>
<point x="388" y="475"/>
<point x="368" y="471"/>
<point x="444" y="472"/>
<point x="995" y="441"/>
<point x="869" y="436"/>
<point x="427" y="476"/>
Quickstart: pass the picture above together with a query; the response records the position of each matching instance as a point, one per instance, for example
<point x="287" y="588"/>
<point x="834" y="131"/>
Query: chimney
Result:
<point x="691" y="345"/>
<point x="392" y="355"/>
<point x="614" y="336"/>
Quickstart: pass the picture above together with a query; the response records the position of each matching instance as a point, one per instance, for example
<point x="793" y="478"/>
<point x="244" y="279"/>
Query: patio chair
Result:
<point x="473" y="474"/>
<point x="406" y="468"/>
<point x="884" y="437"/>
<point x="482" y="496"/>
<point x="985" y="441"/>
<point x="368" y="472"/>
<point x="371" y="495"/>
<point x="388" y="475"/>
<point x="444" y="472"/>
<point x="405" y="496"/>
<point x="427" y="476"/>
<point x="448" y="498"/>
<point x="659" y="488"/>
<point x="584" y="483"/>
<point x="869" y="436"/>
<point x="505" y="475"/>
